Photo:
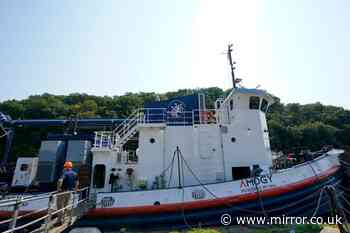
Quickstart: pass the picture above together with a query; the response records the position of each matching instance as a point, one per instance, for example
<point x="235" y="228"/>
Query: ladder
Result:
<point x="43" y="219"/>
<point x="126" y="130"/>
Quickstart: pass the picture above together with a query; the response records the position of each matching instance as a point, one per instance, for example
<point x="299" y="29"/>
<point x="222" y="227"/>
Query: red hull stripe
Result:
<point x="193" y="205"/>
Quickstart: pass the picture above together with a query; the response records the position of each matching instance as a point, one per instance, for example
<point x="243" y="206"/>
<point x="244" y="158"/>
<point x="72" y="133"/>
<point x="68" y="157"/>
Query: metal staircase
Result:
<point x="160" y="117"/>
<point x="126" y="130"/>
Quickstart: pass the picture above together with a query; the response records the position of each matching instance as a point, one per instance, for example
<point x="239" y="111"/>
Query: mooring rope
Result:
<point x="210" y="192"/>
<point x="319" y="192"/>
<point x="318" y="203"/>
<point x="334" y="206"/>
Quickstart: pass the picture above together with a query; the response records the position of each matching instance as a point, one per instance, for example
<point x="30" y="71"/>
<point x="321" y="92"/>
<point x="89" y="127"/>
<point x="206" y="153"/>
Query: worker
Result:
<point x="68" y="182"/>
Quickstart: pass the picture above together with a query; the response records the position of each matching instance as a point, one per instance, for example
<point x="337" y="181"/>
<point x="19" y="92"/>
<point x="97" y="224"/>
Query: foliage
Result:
<point x="203" y="231"/>
<point x="295" y="126"/>
<point x="308" y="228"/>
<point x="291" y="126"/>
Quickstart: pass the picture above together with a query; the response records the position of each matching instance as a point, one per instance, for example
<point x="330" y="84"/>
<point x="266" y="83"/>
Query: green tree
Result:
<point x="291" y="126"/>
<point x="13" y="108"/>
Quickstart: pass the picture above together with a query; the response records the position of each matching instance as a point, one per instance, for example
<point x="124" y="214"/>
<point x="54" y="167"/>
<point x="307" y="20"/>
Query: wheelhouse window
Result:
<point x="24" y="167"/>
<point x="264" y="105"/>
<point x="99" y="176"/>
<point x="254" y="102"/>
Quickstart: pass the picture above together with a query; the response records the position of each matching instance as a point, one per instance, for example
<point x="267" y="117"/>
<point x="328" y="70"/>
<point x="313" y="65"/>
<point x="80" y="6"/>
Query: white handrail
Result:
<point x="125" y="122"/>
<point x="20" y="200"/>
<point x="127" y="129"/>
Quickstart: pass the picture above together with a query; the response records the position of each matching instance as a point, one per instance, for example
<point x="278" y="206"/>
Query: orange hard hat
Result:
<point x="68" y="164"/>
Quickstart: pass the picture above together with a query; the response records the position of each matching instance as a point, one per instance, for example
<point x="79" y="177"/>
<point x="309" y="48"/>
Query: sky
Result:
<point x="296" y="50"/>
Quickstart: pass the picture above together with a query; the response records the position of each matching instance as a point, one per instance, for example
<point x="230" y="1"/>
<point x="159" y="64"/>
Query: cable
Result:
<point x="344" y="188"/>
<point x="259" y="197"/>
<point x="210" y="192"/>
<point x="334" y="198"/>
<point x="257" y="212"/>
<point x="344" y="199"/>
<point x="241" y="209"/>
<point x="339" y="196"/>
<point x="318" y="203"/>
<point x="293" y="203"/>
<point x="346" y="163"/>
<point x="346" y="195"/>
<point x="323" y="204"/>
<point x="4" y="130"/>
<point x="183" y="196"/>
<point x="171" y="171"/>
<point x="313" y="170"/>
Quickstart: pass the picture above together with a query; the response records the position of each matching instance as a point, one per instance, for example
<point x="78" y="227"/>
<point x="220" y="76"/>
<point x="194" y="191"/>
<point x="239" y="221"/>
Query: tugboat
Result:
<point x="190" y="165"/>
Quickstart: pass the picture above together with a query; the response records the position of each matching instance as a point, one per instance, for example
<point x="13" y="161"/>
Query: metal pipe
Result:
<point x="178" y="166"/>
<point x="15" y="213"/>
<point x="49" y="213"/>
<point x="9" y="138"/>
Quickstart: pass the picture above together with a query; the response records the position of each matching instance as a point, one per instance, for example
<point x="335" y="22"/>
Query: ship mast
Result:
<point x="229" y="56"/>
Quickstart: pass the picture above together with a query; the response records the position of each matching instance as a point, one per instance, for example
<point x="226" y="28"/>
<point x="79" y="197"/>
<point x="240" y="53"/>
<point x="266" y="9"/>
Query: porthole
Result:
<point x="152" y="140"/>
<point x="233" y="139"/>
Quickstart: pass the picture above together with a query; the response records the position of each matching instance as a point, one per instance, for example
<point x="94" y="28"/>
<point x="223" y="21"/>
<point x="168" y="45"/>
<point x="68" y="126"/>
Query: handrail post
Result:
<point x="193" y="117"/>
<point x="49" y="213"/>
<point x="218" y="116"/>
<point x="147" y="117"/>
<point x="101" y="140"/>
<point x="140" y="115"/>
<point x="15" y="213"/>
<point x="72" y="208"/>
<point x="184" y="116"/>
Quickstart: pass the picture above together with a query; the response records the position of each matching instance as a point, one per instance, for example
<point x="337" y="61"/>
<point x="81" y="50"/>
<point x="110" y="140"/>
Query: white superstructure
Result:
<point x="221" y="144"/>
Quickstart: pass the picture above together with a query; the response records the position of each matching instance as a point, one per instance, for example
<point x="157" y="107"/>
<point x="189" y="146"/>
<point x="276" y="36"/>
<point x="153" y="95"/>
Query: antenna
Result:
<point x="229" y="56"/>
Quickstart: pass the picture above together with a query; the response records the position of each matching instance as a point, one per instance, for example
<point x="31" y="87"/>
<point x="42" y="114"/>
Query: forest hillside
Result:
<point x="291" y="126"/>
